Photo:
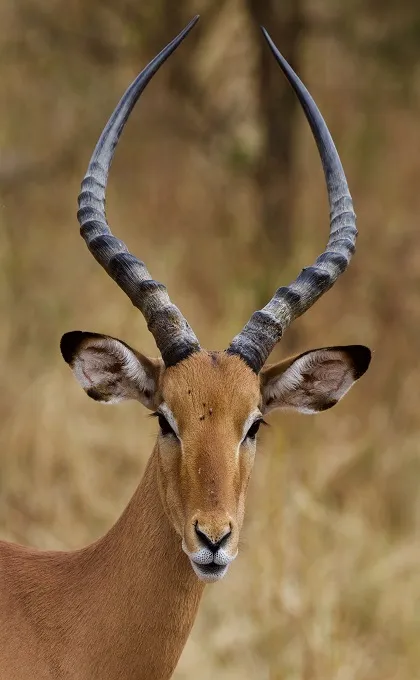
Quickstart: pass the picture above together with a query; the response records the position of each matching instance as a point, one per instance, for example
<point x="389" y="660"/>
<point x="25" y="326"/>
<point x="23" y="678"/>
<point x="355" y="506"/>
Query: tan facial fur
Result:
<point x="211" y="400"/>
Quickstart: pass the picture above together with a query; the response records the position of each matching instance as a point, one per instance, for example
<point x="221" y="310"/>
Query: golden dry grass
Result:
<point x="328" y="581"/>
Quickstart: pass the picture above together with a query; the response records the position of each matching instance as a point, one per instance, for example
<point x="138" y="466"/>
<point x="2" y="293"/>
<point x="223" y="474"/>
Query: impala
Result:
<point x="123" y="607"/>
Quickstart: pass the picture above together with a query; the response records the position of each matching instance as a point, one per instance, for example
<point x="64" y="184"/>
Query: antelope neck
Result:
<point x="124" y="606"/>
<point x="152" y="593"/>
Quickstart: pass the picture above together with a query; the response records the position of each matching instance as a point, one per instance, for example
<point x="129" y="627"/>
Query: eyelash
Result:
<point x="165" y="427"/>
<point x="252" y="432"/>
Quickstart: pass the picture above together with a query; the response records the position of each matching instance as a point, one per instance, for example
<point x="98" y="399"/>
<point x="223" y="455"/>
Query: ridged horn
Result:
<point x="267" y="325"/>
<point x="173" y="335"/>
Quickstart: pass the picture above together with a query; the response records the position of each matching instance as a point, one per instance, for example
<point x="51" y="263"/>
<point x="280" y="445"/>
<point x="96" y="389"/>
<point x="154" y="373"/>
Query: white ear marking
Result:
<point x="314" y="381"/>
<point x="109" y="370"/>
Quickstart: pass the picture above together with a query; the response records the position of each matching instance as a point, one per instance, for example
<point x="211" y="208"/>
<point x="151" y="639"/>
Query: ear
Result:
<point x="314" y="381"/>
<point x="111" y="371"/>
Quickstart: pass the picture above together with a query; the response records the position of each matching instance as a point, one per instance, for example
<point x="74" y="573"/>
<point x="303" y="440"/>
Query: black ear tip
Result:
<point x="69" y="344"/>
<point x="362" y="357"/>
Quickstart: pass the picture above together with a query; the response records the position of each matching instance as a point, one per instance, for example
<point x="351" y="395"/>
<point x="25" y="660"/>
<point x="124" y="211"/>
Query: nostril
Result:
<point x="209" y="541"/>
<point x="226" y="535"/>
<point x="205" y="538"/>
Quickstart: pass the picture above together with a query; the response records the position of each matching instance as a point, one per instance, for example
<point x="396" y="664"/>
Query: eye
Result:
<point x="165" y="428"/>
<point x="252" y="432"/>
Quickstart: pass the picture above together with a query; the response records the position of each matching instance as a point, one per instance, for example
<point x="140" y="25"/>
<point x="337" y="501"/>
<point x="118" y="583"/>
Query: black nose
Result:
<point x="209" y="541"/>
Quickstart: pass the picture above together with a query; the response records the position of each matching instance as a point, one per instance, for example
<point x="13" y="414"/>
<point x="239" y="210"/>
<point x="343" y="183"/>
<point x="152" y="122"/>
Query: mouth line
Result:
<point x="209" y="572"/>
<point x="211" y="568"/>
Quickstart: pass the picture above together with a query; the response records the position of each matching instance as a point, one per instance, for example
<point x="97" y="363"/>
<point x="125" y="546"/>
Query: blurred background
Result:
<point x="217" y="185"/>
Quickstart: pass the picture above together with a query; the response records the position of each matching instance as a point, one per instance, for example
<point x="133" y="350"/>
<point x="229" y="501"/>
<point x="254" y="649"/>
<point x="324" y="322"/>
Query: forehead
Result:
<point x="211" y="383"/>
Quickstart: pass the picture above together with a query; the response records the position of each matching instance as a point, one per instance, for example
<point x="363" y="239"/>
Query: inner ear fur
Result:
<point x="314" y="380"/>
<point x="111" y="371"/>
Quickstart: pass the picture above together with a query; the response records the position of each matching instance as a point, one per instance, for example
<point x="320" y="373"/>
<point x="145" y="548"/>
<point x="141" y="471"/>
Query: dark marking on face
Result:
<point x="210" y="411"/>
<point x="202" y="417"/>
<point x="213" y="358"/>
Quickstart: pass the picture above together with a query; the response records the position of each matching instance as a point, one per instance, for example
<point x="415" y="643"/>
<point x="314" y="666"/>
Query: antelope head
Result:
<point x="209" y="405"/>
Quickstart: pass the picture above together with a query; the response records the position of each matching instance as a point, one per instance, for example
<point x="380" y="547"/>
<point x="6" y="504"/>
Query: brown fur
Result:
<point x="120" y="608"/>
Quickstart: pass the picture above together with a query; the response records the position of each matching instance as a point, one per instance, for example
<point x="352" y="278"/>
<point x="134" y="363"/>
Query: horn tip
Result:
<point x="278" y="55"/>
<point x="266" y="35"/>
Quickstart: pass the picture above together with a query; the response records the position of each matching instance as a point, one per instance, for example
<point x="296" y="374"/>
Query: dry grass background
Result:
<point x="327" y="585"/>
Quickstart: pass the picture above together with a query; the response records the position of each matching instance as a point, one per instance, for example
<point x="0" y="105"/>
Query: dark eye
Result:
<point x="252" y="432"/>
<point x="165" y="428"/>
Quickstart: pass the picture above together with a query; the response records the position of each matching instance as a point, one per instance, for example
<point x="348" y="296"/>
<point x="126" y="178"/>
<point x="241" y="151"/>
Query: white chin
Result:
<point x="209" y="573"/>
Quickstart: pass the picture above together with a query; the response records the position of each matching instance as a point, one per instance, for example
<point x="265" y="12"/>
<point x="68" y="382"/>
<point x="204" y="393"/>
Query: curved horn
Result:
<point x="266" y="326"/>
<point x="172" y="333"/>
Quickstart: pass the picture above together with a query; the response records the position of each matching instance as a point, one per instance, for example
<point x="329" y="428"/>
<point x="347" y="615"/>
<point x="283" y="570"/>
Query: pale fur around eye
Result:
<point x="166" y="428"/>
<point x="253" y="430"/>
